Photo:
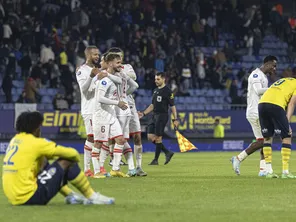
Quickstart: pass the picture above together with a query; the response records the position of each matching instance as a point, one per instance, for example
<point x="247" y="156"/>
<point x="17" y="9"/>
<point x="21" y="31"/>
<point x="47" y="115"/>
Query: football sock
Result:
<point x="157" y="150"/>
<point x="87" y="154"/>
<point x="65" y="190"/>
<point x="286" y="153"/>
<point x="164" y="149"/>
<point x="268" y="157"/>
<point x="79" y="180"/>
<point x="138" y="150"/>
<point x="117" y="153"/>
<point x="104" y="154"/>
<point x="95" y="159"/>
<point x="243" y="155"/>
<point x="128" y="153"/>
<point x="262" y="165"/>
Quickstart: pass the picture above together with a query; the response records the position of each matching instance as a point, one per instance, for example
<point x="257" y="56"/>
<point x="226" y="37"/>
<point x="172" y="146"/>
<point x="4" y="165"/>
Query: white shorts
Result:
<point x="255" y="124"/>
<point x="87" y="118"/>
<point x="106" y="132"/>
<point x="124" y="123"/>
<point x="134" y="125"/>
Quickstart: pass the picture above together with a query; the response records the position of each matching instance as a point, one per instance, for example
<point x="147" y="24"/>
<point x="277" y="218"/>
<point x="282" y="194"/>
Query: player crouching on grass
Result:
<point x="24" y="180"/>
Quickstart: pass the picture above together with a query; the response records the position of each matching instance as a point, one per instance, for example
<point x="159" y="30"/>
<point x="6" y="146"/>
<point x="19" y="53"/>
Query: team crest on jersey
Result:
<point x="159" y="98"/>
<point x="52" y="171"/>
<point x="78" y="73"/>
<point x="255" y="75"/>
<point x="104" y="83"/>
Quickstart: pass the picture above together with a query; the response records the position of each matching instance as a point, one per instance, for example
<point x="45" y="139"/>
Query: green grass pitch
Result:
<point x="193" y="187"/>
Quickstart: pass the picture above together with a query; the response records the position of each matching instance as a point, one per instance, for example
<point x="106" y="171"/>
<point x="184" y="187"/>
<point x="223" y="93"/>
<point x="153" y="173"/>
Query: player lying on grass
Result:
<point x="26" y="183"/>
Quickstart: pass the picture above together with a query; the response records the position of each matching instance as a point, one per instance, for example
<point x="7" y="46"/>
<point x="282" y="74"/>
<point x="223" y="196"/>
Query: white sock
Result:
<point x="285" y="171"/>
<point x="128" y="153"/>
<point x="269" y="168"/>
<point x="262" y="165"/>
<point x="104" y="154"/>
<point x="117" y="153"/>
<point x="242" y="156"/>
<point x="138" y="150"/>
<point x="95" y="159"/>
<point x="87" y="155"/>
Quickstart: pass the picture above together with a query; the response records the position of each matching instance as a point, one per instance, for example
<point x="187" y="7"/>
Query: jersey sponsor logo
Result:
<point x="255" y="75"/>
<point x="52" y="171"/>
<point x="104" y="83"/>
<point x="159" y="98"/>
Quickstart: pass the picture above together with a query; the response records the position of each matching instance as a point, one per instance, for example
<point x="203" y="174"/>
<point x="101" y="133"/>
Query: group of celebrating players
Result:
<point x="269" y="112"/>
<point x="109" y="113"/>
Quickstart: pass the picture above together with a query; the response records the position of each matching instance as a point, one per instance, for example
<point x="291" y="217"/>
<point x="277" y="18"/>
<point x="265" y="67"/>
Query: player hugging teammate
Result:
<point x="111" y="113"/>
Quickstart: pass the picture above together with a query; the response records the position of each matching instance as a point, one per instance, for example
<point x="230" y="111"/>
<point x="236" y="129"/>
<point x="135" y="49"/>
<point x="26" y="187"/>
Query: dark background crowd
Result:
<point x="42" y="42"/>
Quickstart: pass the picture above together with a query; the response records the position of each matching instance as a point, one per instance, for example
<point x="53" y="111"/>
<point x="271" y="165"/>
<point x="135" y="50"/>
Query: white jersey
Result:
<point x="122" y="89"/>
<point x="106" y="113"/>
<point x="87" y="89"/>
<point x="128" y="70"/>
<point x="256" y="78"/>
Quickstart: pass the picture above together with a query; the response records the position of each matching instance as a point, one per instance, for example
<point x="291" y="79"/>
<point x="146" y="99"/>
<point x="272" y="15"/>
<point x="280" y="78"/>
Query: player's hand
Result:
<point x="102" y="75"/>
<point x="122" y="105"/>
<point x="94" y="72"/>
<point x="140" y="114"/>
<point x="176" y="124"/>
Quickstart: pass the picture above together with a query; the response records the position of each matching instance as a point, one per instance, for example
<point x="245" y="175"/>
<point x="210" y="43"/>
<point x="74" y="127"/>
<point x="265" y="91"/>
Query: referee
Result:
<point x="161" y="100"/>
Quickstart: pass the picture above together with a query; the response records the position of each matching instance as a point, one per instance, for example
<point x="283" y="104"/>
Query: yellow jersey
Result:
<point x="280" y="92"/>
<point x="22" y="162"/>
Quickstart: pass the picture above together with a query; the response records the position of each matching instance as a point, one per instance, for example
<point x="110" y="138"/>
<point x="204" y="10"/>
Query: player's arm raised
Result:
<point x="291" y="106"/>
<point x="85" y="81"/>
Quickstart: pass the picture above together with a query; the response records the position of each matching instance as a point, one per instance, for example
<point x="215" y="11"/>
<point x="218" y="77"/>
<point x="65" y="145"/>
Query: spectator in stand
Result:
<point x="7" y="86"/>
<point x="31" y="90"/>
<point x="60" y="103"/>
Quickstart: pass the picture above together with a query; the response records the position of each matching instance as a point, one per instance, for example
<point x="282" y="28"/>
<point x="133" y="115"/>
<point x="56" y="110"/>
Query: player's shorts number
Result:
<point x="103" y="129"/>
<point x="44" y="176"/>
<point x="279" y="82"/>
<point x="14" y="150"/>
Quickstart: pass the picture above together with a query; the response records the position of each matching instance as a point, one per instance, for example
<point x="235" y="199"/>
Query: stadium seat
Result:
<point x="46" y="99"/>
<point x="75" y="107"/>
<point x="48" y="107"/>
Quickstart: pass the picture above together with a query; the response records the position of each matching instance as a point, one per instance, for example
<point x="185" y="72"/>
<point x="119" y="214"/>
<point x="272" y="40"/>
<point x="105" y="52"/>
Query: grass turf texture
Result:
<point x="193" y="187"/>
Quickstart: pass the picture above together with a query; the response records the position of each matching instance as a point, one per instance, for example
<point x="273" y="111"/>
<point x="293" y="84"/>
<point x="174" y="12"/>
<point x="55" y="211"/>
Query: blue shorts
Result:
<point x="49" y="182"/>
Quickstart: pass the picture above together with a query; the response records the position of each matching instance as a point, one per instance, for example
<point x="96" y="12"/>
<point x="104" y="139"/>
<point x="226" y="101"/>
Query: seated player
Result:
<point x="24" y="158"/>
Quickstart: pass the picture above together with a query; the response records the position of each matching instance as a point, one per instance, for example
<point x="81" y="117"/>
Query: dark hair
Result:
<point x="161" y="74"/>
<point x="110" y="57"/>
<point x="115" y="50"/>
<point x="269" y="58"/>
<point x="88" y="48"/>
<point x="28" y="122"/>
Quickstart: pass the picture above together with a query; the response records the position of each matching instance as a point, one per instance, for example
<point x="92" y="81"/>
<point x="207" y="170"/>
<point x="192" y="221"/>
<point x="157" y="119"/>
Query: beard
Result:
<point x="96" y="64"/>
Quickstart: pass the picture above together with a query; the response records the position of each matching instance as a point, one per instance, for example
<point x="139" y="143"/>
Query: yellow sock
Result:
<point x="65" y="190"/>
<point x="286" y="153"/>
<point x="83" y="185"/>
<point x="267" y="151"/>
